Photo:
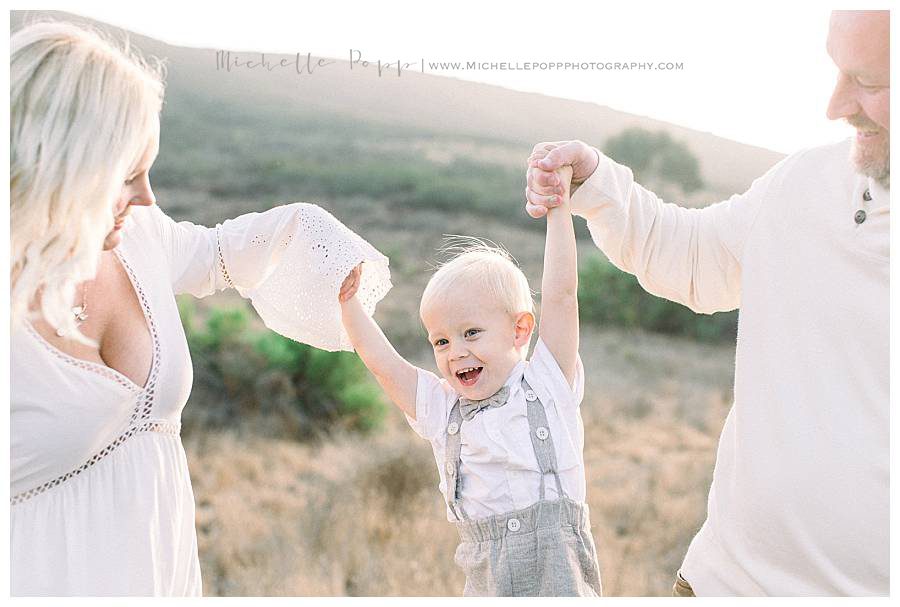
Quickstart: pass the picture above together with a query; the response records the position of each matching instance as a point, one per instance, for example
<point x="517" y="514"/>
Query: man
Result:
<point x="799" y="503"/>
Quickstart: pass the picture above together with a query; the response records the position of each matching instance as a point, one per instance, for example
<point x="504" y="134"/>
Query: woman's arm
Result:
<point x="559" y="286"/>
<point x="289" y="261"/>
<point x="397" y="377"/>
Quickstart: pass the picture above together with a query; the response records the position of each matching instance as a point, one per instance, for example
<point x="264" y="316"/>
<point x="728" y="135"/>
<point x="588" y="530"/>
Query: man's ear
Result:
<point x="524" y="328"/>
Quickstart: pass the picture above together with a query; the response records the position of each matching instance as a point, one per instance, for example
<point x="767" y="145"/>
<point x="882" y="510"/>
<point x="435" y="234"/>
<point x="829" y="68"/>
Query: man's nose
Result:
<point x="843" y="103"/>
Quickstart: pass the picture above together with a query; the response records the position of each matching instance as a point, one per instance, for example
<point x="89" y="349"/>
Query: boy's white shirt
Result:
<point x="498" y="468"/>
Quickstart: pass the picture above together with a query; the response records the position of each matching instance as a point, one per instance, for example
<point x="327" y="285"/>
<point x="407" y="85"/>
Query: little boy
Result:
<point x="506" y="432"/>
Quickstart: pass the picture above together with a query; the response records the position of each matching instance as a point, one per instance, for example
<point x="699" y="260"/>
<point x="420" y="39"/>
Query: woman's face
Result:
<point x="135" y="191"/>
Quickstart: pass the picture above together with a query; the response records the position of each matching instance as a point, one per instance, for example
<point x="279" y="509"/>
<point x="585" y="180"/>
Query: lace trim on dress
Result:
<point x="141" y="416"/>
<point x="222" y="267"/>
<point x="144" y="405"/>
<point x="162" y="426"/>
<point x="103" y="370"/>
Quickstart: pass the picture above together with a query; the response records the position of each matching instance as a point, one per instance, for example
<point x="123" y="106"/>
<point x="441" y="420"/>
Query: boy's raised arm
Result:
<point x="559" y="287"/>
<point x="397" y="377"/>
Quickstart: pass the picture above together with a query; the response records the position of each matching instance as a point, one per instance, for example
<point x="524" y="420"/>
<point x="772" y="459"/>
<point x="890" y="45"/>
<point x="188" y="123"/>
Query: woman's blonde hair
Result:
<point x="482" y="265"/>
<point x="83" y="111"/>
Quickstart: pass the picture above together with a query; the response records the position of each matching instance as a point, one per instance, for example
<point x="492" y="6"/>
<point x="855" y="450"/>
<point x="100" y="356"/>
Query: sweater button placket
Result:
<point x="860" y="215"/>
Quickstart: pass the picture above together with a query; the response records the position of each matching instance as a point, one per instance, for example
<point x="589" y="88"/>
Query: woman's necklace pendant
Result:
<point x="80" y="313"/>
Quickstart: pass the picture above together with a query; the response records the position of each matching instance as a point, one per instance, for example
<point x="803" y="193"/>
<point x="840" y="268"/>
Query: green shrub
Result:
<point x="655" y="154"/>
<point x="305" y="392"/>
<point x="608" y="296"/>
<point x="224" y="327"/>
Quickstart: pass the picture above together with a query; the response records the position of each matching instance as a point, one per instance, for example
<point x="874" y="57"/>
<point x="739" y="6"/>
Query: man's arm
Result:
<point x="397" y="377"/>
<point x="691" y="256"/>
<point x="559" y="285"/>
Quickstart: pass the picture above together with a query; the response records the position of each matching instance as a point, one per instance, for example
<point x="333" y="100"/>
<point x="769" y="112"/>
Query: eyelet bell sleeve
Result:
<point x="289" y="261"/>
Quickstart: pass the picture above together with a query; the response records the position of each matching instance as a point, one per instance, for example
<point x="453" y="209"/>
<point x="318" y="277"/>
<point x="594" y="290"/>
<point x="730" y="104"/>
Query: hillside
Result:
<point x="434" y="104"/>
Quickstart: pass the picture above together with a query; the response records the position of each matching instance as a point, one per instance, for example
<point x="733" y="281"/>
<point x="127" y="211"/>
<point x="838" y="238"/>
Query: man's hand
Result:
<point x="544" y="189"/>
<point x="350" y="284"/>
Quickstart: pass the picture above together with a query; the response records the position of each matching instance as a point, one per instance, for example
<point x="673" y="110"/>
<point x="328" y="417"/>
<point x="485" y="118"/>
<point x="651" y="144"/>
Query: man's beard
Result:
<point x="874" y="160"/>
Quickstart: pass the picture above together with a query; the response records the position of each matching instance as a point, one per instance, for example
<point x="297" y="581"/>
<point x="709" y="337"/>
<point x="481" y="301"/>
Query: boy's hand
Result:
<point x="350" y="284"/>
<point x="562" y="177"/>
<point x="544" y="189"/>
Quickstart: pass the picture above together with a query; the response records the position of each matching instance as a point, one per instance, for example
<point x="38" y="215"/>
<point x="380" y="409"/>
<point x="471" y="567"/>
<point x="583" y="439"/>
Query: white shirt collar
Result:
<point x="515" y="376"/>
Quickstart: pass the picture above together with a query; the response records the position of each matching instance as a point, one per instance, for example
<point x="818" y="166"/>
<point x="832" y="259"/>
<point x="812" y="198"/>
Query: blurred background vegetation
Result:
<point x="263" y="154"/>
<point x="265" y="379"/>
<point x="307" y="481"/>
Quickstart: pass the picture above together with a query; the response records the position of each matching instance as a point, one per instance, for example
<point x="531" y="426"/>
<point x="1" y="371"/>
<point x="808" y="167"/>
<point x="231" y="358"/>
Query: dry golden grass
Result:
<point x="363" y="516"/>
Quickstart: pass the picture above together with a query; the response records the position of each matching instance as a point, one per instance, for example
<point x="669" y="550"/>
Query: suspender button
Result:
<point x="530" y="396"/>
<point x="513" y="524"/>
<point x="542" y="433"/>
<point x="451" y="469"/>
<point x="453" y="428"/>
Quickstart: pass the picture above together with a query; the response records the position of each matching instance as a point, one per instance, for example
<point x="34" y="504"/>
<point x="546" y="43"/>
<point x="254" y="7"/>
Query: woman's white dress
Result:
<point x="100" y="495"/>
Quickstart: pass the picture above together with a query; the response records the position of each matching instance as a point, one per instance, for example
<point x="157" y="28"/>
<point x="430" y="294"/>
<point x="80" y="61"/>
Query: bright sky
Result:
<point x="756" y="73"/>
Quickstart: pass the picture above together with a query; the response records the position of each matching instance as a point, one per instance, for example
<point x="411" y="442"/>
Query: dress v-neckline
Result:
<point x="102" y="369"/>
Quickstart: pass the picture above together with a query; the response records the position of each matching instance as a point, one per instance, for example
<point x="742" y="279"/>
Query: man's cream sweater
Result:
<point x="799" y="502"/>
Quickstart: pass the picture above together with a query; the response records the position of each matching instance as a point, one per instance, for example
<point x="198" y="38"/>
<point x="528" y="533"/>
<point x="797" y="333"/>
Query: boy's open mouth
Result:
<point x="469" y="375"/>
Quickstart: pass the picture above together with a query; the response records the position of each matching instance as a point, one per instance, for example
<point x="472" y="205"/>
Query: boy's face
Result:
<point x="476" y="342"/>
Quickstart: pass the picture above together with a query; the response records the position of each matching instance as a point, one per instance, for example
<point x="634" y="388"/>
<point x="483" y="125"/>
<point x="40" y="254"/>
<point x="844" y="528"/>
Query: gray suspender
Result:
<point x="451" y="463"/>
<point x="541" y="441"/>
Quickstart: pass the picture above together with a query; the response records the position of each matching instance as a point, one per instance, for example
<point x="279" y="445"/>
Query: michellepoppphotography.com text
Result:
<point x="306" y="64"/>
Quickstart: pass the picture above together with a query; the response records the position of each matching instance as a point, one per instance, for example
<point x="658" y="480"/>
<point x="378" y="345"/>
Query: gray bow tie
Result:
<point x="468" y="408"/>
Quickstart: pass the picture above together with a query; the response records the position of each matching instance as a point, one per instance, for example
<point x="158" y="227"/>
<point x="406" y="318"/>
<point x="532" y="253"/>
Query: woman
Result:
<point x="101" y="500"/>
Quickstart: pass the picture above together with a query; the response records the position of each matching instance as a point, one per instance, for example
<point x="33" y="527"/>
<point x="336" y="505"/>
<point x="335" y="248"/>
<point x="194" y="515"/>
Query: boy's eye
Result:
<point x="440" y="342"/>
<point x="472" y="332"/>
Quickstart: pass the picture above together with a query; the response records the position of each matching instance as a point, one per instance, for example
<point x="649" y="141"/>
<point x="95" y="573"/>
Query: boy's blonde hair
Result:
<point x="83" y="111"/>
<point x="484" y="266"/>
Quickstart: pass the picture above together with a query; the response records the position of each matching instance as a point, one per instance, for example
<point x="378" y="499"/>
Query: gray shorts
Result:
<point x="543" y="550"/>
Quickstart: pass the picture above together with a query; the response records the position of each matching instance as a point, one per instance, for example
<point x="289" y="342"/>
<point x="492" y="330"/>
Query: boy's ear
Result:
<point x="524" y="328"/>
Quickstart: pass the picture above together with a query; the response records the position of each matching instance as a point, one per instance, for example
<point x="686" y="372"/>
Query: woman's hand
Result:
<point x="350" y="284"/>
<point x="544" y="190"/>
